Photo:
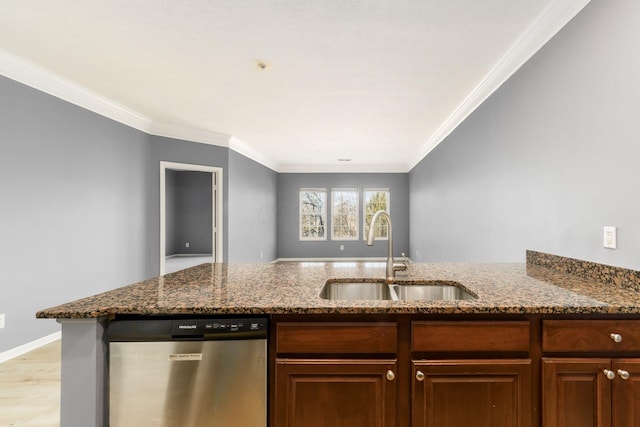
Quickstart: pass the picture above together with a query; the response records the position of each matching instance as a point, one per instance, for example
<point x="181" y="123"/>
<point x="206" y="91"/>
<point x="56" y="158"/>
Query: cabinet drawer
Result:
<point x="590" y="335"/>
<point x="337" y="337"/>
<point x="470" y="336"/>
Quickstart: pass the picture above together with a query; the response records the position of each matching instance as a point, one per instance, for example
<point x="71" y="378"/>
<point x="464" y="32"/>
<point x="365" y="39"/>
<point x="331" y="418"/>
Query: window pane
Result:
<point x="374" y="201"/>
<point x="313" y="214"/>
<point x="344" y="214"/>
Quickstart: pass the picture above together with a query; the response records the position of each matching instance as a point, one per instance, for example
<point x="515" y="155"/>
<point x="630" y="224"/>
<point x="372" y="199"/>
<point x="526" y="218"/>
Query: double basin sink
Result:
<point x="378" y="290"/>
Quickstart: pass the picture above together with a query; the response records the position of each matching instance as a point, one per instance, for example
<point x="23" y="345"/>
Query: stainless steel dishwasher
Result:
<point x="188" y="372"/>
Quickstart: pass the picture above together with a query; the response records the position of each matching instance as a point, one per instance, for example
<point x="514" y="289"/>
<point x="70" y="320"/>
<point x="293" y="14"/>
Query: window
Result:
<point x="344" y="214"/>
<point x="344" y="220"/>
<point x="313" y="214"/>
<point x="374" y="201"/>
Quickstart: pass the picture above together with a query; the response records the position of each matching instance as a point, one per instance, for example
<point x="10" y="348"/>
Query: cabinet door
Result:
<point x="479" y="393"/>
<point x="336" y="393"/>
<point x="576" y="392"/>
<point x="626" y="393"/>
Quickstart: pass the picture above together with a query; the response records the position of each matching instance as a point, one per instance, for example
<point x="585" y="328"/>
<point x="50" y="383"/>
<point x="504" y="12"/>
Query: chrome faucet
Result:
<point x="392" y="266"/>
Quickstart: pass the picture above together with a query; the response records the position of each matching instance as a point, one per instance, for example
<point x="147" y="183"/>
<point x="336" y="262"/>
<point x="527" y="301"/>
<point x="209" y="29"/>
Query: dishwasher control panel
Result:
<point x="197" y="328"/>
<point x="186" y="327"/>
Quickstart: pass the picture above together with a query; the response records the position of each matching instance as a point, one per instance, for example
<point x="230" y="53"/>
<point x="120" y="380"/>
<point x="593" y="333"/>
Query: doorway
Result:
<point x="190" y="215"/>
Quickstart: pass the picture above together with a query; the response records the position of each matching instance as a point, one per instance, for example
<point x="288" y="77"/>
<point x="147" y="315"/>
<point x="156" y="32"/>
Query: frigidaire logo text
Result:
<point x="186" y="326"/>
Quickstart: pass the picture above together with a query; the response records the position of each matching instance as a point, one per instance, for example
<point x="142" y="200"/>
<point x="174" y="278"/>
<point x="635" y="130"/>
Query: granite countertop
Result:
<point x="538" y="286"/>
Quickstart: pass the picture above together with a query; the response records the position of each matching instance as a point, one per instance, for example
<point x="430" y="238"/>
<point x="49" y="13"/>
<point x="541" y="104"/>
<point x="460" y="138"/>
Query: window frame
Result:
<point x="357" y="213"/>
<point x="323" y="214"/>
<point x="365" y="229"/>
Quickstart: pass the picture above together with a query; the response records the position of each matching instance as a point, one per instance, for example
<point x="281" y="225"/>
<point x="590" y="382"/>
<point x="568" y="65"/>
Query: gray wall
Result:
<point x="174" y="150"/>
<point x="289" y="184"/>
<point x="544" y="164"/>
<point x="73" y="207"/>
<point x="548" y="160"/>
<point x="79" y="205"/>
<point x="188" y="212"/>
<point x="253" y="192"/>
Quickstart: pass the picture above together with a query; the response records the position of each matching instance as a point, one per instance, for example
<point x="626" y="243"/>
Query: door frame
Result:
<point x="216" y="211"/>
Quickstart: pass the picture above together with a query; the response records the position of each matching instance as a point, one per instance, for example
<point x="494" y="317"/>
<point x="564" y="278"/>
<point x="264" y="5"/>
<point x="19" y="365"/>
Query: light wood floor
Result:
<point x="30" y="388"/>
<point x="176" y="263"/>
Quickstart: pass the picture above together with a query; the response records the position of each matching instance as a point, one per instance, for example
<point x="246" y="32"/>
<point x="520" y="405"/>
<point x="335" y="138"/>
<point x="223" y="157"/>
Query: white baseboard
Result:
<point x="332" y="259"/>
<point x="30" y="346"/>
<point x="186" y="255"/>
<point x="377" y="259"/>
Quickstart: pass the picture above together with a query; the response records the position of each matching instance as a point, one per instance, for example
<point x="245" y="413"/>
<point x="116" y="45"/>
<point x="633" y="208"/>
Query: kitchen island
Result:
<point x="387" y="342"/>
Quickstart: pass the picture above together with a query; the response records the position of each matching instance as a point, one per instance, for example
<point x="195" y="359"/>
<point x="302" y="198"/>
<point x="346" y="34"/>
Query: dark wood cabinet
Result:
<point x="341" y="374"/>
<point x="583" y="391"/>
<point x="470" y="336"/>
<point x="475" y="390"/>
<point x="626" y="392"/>
<point x="337" y="337"/>
<point x="479" y="393"/>
<point x="589" y="336"/>
<point x="337" y="393"/>
<point x="431" y="371"/>
<point x="362" y="374"/>
<point x="576" y="392"/>
<point x="591" y="392"/>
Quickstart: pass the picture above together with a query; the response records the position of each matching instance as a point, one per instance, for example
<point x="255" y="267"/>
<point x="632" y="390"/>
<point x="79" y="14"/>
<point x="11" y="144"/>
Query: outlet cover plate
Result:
<point x="610" y="241"/>
<point x="1" y="321"/>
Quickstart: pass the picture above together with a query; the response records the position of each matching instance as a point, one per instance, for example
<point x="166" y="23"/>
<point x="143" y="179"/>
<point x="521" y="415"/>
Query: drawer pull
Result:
<point x="623" y="374"/>
<point x="420" y="376"/>
<point x="609" y="374"/>
<point x="390" y="375"/>
<point x="616" y="337"/>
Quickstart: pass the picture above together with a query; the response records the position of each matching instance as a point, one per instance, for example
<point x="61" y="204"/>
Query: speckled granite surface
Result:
<point x="587" y="270"/>
<point x="293" y="287"/>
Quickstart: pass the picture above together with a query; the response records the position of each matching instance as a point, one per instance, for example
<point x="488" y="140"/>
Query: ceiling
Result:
<point x="298" y="85"/>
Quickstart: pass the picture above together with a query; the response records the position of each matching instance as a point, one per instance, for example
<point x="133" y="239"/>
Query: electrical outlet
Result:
<point x="1" y="321"/>
<point x="342" y="247"/>
<point x="186" y="245"/>
<point x="610" y="240"/>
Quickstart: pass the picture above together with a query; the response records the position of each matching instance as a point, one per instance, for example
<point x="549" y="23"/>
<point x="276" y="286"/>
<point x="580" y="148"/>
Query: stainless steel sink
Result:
<point x="356" y="291"/>
<point x="428" y="290"/>
<point x="436" y="291"/>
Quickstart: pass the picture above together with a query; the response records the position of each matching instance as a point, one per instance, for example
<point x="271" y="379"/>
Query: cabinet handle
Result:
<point x="623" y="374"/>
<point x="609" y="374"/>
<point x="390" y="375"/>
<point x="420" y="376"/>
<point x="616" y="337"/>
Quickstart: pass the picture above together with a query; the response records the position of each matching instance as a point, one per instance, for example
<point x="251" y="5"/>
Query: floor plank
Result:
<point x="30" y="388"/>
<point x="176" y="263"/>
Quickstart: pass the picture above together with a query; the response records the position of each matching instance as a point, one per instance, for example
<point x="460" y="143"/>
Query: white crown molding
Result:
<point x="343" y="168"/>
<point x="45" y="81"/>
<point x="39" y="78"/>
<point x="241" y="148"/>
<point x="189" y="134"/>
<point x="548" y="24"/>
<point x="32" y="75"/>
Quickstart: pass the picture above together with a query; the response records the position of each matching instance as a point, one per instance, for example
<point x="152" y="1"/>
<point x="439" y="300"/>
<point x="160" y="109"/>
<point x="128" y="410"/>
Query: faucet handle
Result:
<point x="401" y="266"/>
